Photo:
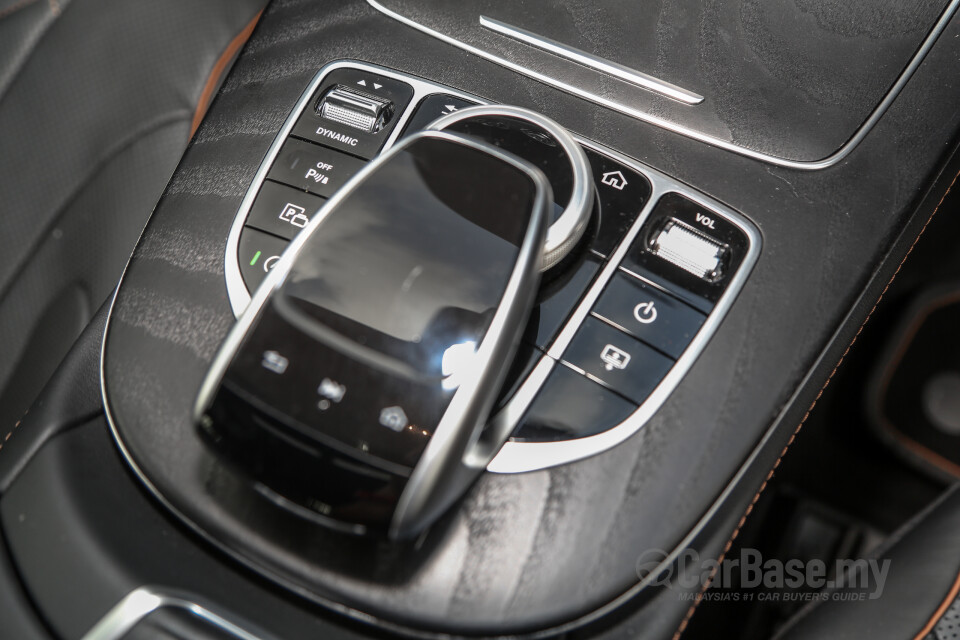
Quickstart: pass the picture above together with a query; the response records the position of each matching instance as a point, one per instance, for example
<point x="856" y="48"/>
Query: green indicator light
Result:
<point x="255" y="258"/>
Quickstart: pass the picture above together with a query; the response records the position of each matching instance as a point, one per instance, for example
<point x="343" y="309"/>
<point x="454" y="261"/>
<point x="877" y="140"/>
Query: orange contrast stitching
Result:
<point x="206" y="96"/>
<point x="7" y="437"/>
<point x="746" y="514"/>
<point x="942" y="609"/>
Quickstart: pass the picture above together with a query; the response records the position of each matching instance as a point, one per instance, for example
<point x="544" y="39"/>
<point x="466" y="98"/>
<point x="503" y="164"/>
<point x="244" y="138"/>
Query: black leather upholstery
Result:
<point x="917" y="595"/>
<point x="96" y="103"/>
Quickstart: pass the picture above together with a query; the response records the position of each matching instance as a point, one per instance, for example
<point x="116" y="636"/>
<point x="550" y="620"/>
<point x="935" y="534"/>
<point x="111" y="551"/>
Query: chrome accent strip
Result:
<point x="596" y="63"/>
<point x="566" y="230"/>
<point x="520" y="457"/>
<point x="806" y="165"/>
<point x="143" y="601"/>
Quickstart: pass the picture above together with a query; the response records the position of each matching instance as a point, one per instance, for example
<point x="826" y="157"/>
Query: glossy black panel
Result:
<point x="282" y="210"/>
<point x="524" y="360"/>
<point x="320" y="393"/>
<point x="618" y="360"/>
<point x="311" y="126"/>
<point x="350" y="365"/>
<point x="569" y="406"/>
<point x="530" y="142"/>
<point x="648" y="313"/>
<point x="557" y="299"/>
<point x="415" y="262"/>
<point x="324" y="480"/>
<point x="433" y="107"/>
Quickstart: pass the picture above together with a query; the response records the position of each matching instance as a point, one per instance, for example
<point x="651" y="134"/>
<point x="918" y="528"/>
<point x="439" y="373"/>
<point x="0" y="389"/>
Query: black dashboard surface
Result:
<point x="538" y="549"/>
<point x="767" y="70"/>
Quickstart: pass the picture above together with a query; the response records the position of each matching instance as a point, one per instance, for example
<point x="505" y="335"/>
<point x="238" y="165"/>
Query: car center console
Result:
<point x="665" y="360"/>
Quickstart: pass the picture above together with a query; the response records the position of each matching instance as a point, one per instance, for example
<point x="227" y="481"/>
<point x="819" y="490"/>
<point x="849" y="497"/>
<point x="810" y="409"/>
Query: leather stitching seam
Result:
<point x="11" y="432"/>
<point x="746" y="514"/>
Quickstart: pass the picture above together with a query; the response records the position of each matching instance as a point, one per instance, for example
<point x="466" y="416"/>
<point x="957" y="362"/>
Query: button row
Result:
<point x="329" y="144"/>
<point x="673" y="274"/>
<point x="326" y="396"/>
<point x="618" y="356"/>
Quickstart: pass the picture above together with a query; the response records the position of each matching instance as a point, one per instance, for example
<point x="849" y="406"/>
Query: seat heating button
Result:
<point x="313" y="168"/>
<point x="616" y="359"/>
<point x="648" y="313"/>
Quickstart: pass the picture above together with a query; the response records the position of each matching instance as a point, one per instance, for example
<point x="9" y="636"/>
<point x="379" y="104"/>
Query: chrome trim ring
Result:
<point x="567" y="230"/>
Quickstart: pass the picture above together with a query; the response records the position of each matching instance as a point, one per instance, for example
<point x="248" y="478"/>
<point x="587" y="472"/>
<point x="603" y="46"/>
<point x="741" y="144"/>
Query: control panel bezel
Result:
<point x="515" y="456"/>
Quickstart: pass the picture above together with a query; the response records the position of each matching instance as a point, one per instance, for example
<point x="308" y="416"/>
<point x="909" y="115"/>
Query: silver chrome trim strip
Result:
<point x="520" y="457"/>
<point x="143" y="601"/>
<point x="596" y="63"/>
<point x="568" y="228"/>
<point x="807" y="165"/>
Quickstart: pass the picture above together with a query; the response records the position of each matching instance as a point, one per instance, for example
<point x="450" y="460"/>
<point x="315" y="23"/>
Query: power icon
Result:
<point x="645" y="312"/>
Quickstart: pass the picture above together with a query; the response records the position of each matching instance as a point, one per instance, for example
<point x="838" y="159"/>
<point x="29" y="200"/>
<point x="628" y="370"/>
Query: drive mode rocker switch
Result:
<point x="354" y="111"/>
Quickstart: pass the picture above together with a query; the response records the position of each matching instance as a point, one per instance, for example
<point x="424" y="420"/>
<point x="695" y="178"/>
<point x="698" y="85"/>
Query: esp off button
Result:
<point x="313" y="168"/>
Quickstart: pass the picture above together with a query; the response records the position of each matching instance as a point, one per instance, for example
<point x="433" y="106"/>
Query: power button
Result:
<point x="644" y="311"/>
